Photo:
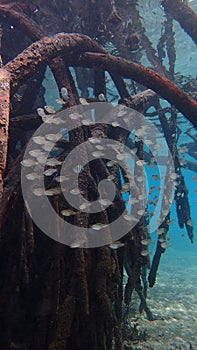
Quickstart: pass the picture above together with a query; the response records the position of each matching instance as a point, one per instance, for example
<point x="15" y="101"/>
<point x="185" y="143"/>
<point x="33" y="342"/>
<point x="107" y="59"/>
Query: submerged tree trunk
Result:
<point x="52" y="296"/>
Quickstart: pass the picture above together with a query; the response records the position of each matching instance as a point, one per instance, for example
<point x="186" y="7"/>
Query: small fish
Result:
<point x="140" y="132"/>
<point x="53" y="162"/>
<point x="38" y="192"/>
<point x="148" y="142"/>
<point x="52" y="191"/>
<point x="133" y="150"/>
<point x="50" y="172"/>
<point x="32" y="176"/>
<point x="125" y="187"/>
<point x="61" y="178"/>
<point x="160" y="231"/>
<point x="101" y="97"/>
<point x="171" y="200"/>
<point x="98" y="154"/>
<point x="84" y="205"/>
<point x="155" y="177"/>
<point x="190" y="222"/>
<point x="35" y="152"/>
<point x="142" y="196"/>
<point x="56" y="121"/>
<point x="145" y="252"/>
<point x="64" y="94"/>
<point x="53" y="137"/>
<point x="75" y="191"/>
<point x="170" y="222"/>
<point x="174" y="176"/>
<point x="182" y="161"/>
<point x="115" y="124"/>
<point x="83" y="101"/>
<point x="116" y="245"/>
<point x="40" y="140"/>
<point x="77" y="169"/>
<point x="99" y="147"/>
<point x="68" y="212"/>
<point x="128" y="217"/>
<point x="165" y="212"/>
<point x="49" y="109"/>
<point x="75" y="245"/>
<point x="75" y="116"/>
<point x="157" y="146"/>
<point x="122" y="156"/>
<point x="141" y="178"/>
<point x="183" y="149"/>
<point x="48" y="146"/>
<point x="165" y="245"/>
<point x="60" y="101"/>
<point x="162" y="240"/>
<point x="98" y="226"/>
<point x="87" y="122"/>
<point x="41" y="159"/>
<point x="111" y="177"/>
<point x="146" y="241"/>
<point x="105" y="202"/>
<point x="41" y="112"/>
<point x="141" y="162"/>
<point x="94" y="140"/>
<point x="28" y="162"/>
<point x="48" y="119"/>
<point x="122" y="112"/>
<point x="140" y="212"/>
<point x="133" y="201"/>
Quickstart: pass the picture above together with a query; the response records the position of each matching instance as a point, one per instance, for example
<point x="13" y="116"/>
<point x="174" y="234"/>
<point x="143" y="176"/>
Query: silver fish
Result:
<point x="83" y="101"/>
<point x="53" y="162"/>
<point x="102" y="97"/>
<point x="28" y="162"/>
<point x="49" y="172"/>
<point x="146" y="241"/>
<point x="49" y="109"/>
<point x="116" y="245"/>
<point x="32" y="176"/>
<point x="38" y="192"/>
<point x="53" y="137"/>
<point x="145" y="252"/>
<point x="98" y="226"/>
<point x="41" y="112"/>
<point x="98" y="154"/>
<point x="64" y="94"/>
<point x="40" y="140"/>
<point x="68" y="212"/>
<point x="75" y="116"/>
<point x="122" y="156"/>
<point x="52" y="191"/>
<point x="87" y="122"/>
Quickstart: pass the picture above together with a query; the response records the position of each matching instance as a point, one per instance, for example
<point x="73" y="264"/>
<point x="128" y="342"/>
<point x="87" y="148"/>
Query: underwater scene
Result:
<point x="98" y="175"/>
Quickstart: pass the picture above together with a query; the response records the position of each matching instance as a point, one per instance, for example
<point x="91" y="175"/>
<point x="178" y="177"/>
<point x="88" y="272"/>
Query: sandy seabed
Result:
<point x="173" y="302"/>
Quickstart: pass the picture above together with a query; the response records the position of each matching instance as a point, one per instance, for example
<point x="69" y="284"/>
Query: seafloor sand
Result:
<point x="173" y="301"/>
